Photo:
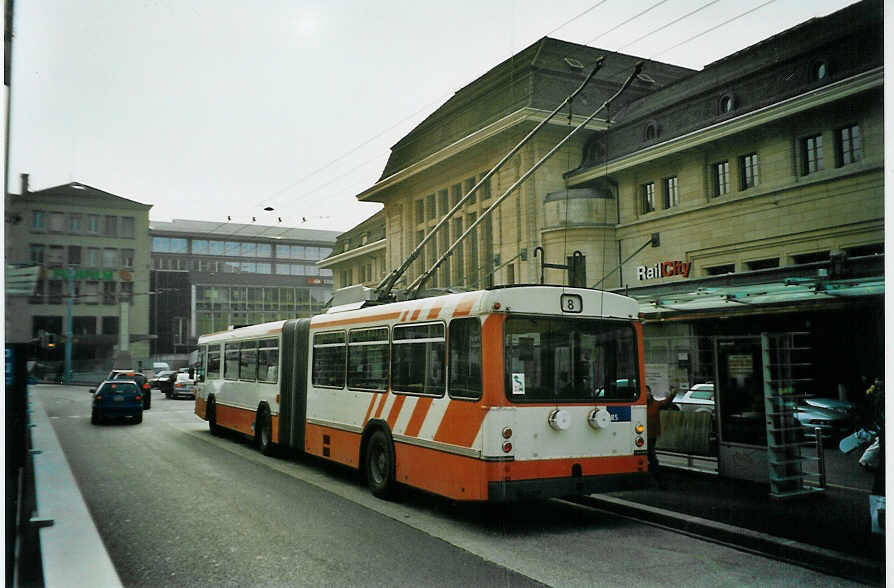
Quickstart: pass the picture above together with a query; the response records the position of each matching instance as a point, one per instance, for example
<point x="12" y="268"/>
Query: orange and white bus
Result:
<point x="510" y="393"/>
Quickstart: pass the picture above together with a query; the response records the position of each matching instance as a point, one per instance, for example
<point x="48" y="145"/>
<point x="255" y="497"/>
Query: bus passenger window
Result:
<point x="417" y="359"/>
<point x="268" y="359"/>
<point x="464" y="352"/>
<point x="368" y="359"/>
<point x="329" y="360"/>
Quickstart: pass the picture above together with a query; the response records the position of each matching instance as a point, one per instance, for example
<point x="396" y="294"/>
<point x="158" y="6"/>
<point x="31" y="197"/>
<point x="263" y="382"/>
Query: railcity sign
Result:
<point x="664" y="269"/>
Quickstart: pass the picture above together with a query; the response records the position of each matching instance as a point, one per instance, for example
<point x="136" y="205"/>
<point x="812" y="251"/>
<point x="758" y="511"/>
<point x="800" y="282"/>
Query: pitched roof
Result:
<point x="82" y="193"/>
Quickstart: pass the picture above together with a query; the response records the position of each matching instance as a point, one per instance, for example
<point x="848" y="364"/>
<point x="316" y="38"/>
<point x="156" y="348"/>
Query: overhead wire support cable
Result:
<point x="383" y="290"/>
<point x="417" y="284"/>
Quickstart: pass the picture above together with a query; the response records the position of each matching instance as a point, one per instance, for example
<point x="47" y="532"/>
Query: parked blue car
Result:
<point x="117" y="399"/>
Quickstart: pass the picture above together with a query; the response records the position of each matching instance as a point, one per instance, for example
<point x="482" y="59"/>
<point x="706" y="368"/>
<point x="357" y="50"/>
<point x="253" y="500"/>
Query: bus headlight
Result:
<point x="559" y="419"/>
<point x="599" y="419"/>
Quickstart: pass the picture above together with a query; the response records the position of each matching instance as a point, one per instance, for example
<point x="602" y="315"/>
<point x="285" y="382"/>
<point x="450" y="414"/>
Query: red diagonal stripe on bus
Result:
<point x="418" y="416"/>
<point x="461" y="423"/>
<point x="434" y="312"/>
<point x="464" y="308"/>
<point x="369" y="410"/>
<point x="415" y="314"/>
<point x="381" y="405"/>
<point x="395" y="411"/>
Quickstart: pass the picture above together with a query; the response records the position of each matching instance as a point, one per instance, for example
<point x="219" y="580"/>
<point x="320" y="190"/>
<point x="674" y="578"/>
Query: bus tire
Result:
<point x="211" y="413"/>
<point x="264" y="432"/>
<point x="380" y="465"/>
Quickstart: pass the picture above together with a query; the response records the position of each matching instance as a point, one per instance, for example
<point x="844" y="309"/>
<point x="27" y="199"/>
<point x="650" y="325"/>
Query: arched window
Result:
<point x="819" y="71"/>
<point x="727" y="103"/>
<point x="651" y="131"/>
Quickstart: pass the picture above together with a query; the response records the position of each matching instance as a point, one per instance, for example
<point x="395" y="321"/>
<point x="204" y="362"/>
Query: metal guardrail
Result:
<point x="54" y="541"/>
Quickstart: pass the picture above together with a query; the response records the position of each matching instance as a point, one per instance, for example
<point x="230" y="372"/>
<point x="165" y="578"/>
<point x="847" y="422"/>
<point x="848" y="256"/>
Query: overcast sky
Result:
<point x="214" y="108"/>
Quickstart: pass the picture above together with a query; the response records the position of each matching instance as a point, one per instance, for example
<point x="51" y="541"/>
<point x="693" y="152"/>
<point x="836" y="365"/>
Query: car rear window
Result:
<point x="119" y="388"/>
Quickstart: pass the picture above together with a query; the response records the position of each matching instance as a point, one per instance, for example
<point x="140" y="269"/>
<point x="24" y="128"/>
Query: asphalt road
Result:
<point x="176" y="506"/>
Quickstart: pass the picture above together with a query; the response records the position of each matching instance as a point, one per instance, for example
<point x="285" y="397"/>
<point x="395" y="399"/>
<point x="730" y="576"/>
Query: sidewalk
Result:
<point x="830" y="531"/>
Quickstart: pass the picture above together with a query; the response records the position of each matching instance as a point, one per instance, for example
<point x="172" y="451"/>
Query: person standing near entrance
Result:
<point x="653" y="426"/>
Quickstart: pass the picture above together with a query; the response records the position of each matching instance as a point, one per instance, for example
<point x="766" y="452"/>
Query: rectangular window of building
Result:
<point x="312" y="253"/>
<point x="368" y="359"/>
<point x="485" y="187"/>
<point x="420" y="211"/>
<point x="647" y="197"/>
<point x="297" y="252"/>
<point x="39" y="292"/>
<point x="216" y="247"/>
<point x="249" y="250"/>
<point x="328" y="364"/>
<point x="456" y="194"/>
<point x="417" y="359"/>
<point x="233" y="249"/>
<point x="38" y="220"/>
<point x="748" y="172"/>
<point x="93" y="259"/>
<point x="93" y="224"/>
<point x="720" y="172"/>
<point x="126" y="293"/>
<point x="248" y="267"/>
<point x="443" y="202"/>
<point x="282" y="269"/>
<point x="74" y="223"/>
<point x="199" y="246"/>
<point x="430" y="211"/>
<point x="127" y="258"/>
<point x="83" y="325"/>
<point x="55" y="256"/>
<point x="179" y="245"/>
<point x="265" y="250"/>
<point x="671" y="192"/>
<point x="161" y="244"/>
<point x="57" y="222"/>
<point x="760" y="264"/>
<point x="282" y="251"/>
<point x="109" y="258"/>
<point x="110" y="226"/>
<point x="74" y="292"/>
<point x="37" y="254"/>
<point x="109" y="292"/>
<point x="110" y="325"/>
<point x="468" y="184"/>
<point x="264" y="268"/>
<point x="813" y="257"/>
<point x="465" y="358"/>
<point x="719" y="270"/>
<point x="91" y="292"/>
<point x="127" y="227"/>
<point x="849" y="145"/>
<point x="54" y="289"/>
<point x="74" y="255"/>
<point x="812" y="154"/>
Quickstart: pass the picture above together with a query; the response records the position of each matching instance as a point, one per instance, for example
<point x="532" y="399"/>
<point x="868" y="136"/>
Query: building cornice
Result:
<point x="333" y="260"/>
<point x="522" y="115"/>
<point x="815" y="98"/>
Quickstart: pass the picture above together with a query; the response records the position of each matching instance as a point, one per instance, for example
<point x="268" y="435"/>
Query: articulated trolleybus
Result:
<point x="510" y="393"/>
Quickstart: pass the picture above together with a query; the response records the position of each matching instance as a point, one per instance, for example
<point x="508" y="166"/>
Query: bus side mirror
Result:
<point x="92" y="390"/>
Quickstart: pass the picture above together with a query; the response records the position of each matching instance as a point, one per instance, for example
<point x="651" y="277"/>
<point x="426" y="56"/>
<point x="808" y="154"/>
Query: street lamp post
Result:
<point x="69" y="331"/>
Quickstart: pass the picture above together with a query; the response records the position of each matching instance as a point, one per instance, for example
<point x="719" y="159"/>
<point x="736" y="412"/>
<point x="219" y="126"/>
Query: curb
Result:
<point x="821" y="559"/>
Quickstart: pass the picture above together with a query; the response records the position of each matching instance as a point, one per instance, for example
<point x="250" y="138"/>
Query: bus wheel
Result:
<point x="264" y="432"/>
<point x="211" y="413"/>
<point x="380" y="465"/>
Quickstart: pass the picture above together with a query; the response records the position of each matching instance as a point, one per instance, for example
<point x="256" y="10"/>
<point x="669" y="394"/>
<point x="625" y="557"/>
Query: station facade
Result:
<point x="742" y="198"/>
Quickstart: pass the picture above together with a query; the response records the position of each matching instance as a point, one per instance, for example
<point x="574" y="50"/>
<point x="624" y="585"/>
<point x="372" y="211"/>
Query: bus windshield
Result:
<point x="570" y="360"/>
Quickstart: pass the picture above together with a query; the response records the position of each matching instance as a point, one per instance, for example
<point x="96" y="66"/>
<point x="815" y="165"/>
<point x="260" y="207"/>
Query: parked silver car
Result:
<point x="699" y="398"/>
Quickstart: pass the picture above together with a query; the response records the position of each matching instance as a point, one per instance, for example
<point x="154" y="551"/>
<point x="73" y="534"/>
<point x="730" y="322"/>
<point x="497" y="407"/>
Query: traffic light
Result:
<point x="51" y="341"/>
